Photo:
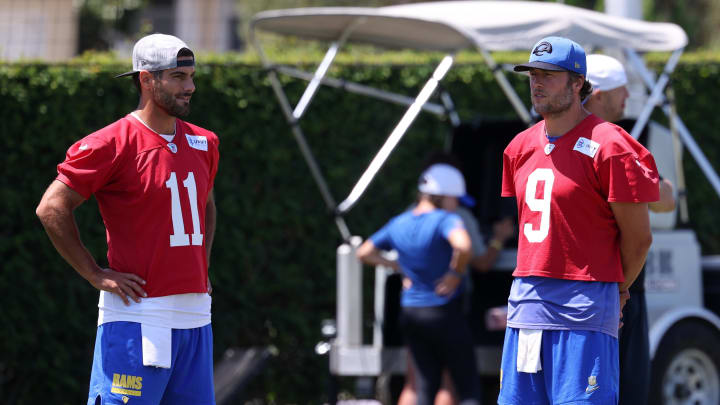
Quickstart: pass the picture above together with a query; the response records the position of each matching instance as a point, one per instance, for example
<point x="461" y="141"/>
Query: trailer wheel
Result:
<point x="686" y="367"/>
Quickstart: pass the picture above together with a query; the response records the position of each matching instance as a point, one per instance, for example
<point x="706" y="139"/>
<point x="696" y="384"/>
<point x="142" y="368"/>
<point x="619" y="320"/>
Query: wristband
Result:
<point x="496" y="244"/>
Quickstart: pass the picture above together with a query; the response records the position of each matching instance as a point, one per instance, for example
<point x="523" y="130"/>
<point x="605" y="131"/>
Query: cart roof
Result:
<point x="453" y="25"/>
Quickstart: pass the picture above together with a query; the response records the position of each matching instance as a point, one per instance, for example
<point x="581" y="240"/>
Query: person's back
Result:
<point x="423" y="253"/>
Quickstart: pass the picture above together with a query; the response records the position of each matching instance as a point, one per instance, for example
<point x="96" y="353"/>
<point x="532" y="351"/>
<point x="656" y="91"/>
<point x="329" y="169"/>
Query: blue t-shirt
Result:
<point x="424" y="252"/>
<point x="551" y="303"/>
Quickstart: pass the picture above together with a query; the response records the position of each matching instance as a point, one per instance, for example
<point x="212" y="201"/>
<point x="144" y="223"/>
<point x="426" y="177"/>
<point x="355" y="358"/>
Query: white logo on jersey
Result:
<point x="198" y="142"/>
<point x="586" y="146"/>
<point x="83" y="146"/>
<point x="549" y="148"/>
<point x="173" y="147"/>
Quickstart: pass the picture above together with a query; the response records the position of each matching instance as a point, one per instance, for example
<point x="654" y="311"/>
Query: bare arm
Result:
<point x="666" y="203"/>
<point x="210" y="221"/>
<point x="502" y="231"/>
<point x="369" y="254"/>
<point x="633" y="220"/>
<point x="55" y="211"/>
<point x="462" y="251"/>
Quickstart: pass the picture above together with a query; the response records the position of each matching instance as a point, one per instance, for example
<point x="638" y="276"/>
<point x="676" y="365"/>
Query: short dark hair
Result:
<point x="435" y="200"/>
<point x="586" y="88"/>
<point x="136" y="78"/>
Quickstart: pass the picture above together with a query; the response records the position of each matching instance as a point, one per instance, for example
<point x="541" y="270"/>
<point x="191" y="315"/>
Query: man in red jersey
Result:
<point x="582" y="187"/>
<point x="152" y="175"/>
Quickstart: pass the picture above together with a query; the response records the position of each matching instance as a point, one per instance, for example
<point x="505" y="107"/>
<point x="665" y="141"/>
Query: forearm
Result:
<point x="369" y="254"/>
<point x="485" y="261"/>
<point x="461" y="249"/>
<point x="210" y="222"/>
<point x="460" y="259"/>
<point x="633" y="253"/>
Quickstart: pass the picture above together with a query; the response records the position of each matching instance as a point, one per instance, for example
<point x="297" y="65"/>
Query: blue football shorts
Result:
<point x="119" y="377"/>
<point x="578" y="367"/>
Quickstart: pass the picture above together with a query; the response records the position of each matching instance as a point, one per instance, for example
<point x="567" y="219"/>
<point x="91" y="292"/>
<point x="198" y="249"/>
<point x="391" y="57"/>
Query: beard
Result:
<point x="556" y="104"/>
<point x="168" y="103"/>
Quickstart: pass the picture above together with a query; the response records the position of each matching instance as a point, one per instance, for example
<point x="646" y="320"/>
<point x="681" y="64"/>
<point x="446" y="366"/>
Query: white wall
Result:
<point x="37" y="29"/>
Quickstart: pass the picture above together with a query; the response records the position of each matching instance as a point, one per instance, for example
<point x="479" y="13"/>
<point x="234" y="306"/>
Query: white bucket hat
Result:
<point x="605" y="72"/>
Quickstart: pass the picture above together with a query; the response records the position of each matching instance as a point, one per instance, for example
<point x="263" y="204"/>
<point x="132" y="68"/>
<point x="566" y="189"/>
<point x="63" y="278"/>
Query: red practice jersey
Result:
<point x="152" y="196"/>
<point x="564" y="189"/>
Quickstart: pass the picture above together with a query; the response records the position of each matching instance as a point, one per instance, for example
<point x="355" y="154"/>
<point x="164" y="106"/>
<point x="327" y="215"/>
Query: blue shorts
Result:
<point x="578" y="367"/>
<point x="119" y="377"/>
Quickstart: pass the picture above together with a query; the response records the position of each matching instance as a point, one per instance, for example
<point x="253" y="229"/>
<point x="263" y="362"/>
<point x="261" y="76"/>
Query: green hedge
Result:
<point x="273" y="263"/>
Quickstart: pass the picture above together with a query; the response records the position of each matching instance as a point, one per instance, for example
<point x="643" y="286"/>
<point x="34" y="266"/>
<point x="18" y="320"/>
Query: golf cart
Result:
<point x="684" y="333"/>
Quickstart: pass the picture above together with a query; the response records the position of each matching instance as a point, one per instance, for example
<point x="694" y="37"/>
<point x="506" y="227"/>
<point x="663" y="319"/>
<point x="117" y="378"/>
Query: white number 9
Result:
<point x="539" y="205"/>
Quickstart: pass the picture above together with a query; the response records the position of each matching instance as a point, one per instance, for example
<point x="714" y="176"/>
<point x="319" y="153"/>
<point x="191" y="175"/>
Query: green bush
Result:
<point x="273" y="264"/>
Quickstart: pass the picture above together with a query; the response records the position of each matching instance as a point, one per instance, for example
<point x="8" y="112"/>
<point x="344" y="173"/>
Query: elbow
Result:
<point x="43" y="211"/>
<point x="643" y="244"/>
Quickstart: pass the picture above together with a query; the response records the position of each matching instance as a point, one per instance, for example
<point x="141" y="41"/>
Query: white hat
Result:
<point x="442" y="179"/>
<point x="158" y="52"/>
<point x="605" y="73"/>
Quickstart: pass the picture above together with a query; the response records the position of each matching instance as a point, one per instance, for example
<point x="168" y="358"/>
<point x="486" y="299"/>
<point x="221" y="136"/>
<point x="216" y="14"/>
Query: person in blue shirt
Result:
<point x="433" y="252"/>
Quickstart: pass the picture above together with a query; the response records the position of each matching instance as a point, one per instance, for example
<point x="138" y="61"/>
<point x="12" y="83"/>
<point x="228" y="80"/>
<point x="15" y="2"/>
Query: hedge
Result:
<point x="273" y="264"/>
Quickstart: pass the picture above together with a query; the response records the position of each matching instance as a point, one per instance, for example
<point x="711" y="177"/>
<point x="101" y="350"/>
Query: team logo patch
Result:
<point x="125" y="399"/>
<point x="543" y="47"/>
<point x="586" y="146"/>
<point x="172" y="147"/>
<point x="549" y="148"/>
<point x="592" y="384"/>
<point x="198" y="142"/>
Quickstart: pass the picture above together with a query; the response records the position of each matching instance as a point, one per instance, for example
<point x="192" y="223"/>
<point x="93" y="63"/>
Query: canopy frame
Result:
<point x="421" y="102"/>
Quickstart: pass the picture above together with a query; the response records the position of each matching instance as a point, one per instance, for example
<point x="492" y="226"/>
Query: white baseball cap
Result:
<point x="158" y="52"/>
<point x="605" y="72"/>
<point x="442" y="179"/>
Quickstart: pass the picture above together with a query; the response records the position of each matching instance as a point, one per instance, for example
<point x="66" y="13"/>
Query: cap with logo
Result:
<point x="605" y="72"/>
<point x="158" y="52"/>
<point x="444" y="179"/>
<point x="556" y="53"/>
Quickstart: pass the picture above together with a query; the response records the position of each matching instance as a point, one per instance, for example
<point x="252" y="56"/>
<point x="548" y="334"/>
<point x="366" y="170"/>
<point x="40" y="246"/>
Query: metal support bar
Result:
<point x="450" y="108"/>
<point x="322" y="69"/>
<point x="517" y="104"/>
<point x="381" y="275"/>
<point x="684" y="133"/>
<point x="300" y="139"/>
<point x="656" y="95"/>
<point x="349" y="294"/>
<point x="396" y="135"/>
<point x="363" y="90"/>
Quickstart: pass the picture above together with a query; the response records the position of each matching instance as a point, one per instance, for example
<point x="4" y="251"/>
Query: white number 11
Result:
<point x="542" y="205"/>
<point x="179" y="237"/>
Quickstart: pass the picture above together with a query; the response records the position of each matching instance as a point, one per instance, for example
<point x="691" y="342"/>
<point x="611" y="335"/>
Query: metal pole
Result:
<point x="395" y="136"/>
<point x="349" y="294"/>
<point x="322" y="69"/>
<point x="684" y="133"/>
<point x="300" y="138"/>
<point x="368" y="91"/>
<point x="510" y="93"/>
<point x="656" y="95"/>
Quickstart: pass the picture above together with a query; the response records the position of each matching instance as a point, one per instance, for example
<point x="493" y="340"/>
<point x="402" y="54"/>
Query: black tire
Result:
<point x="686" y="367"/>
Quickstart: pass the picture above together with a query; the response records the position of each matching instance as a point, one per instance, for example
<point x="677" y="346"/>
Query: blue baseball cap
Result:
<point x="556" y="53"/>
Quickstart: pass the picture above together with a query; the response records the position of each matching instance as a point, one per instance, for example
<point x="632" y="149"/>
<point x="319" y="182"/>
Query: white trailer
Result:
<point x="684" y="334"/>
